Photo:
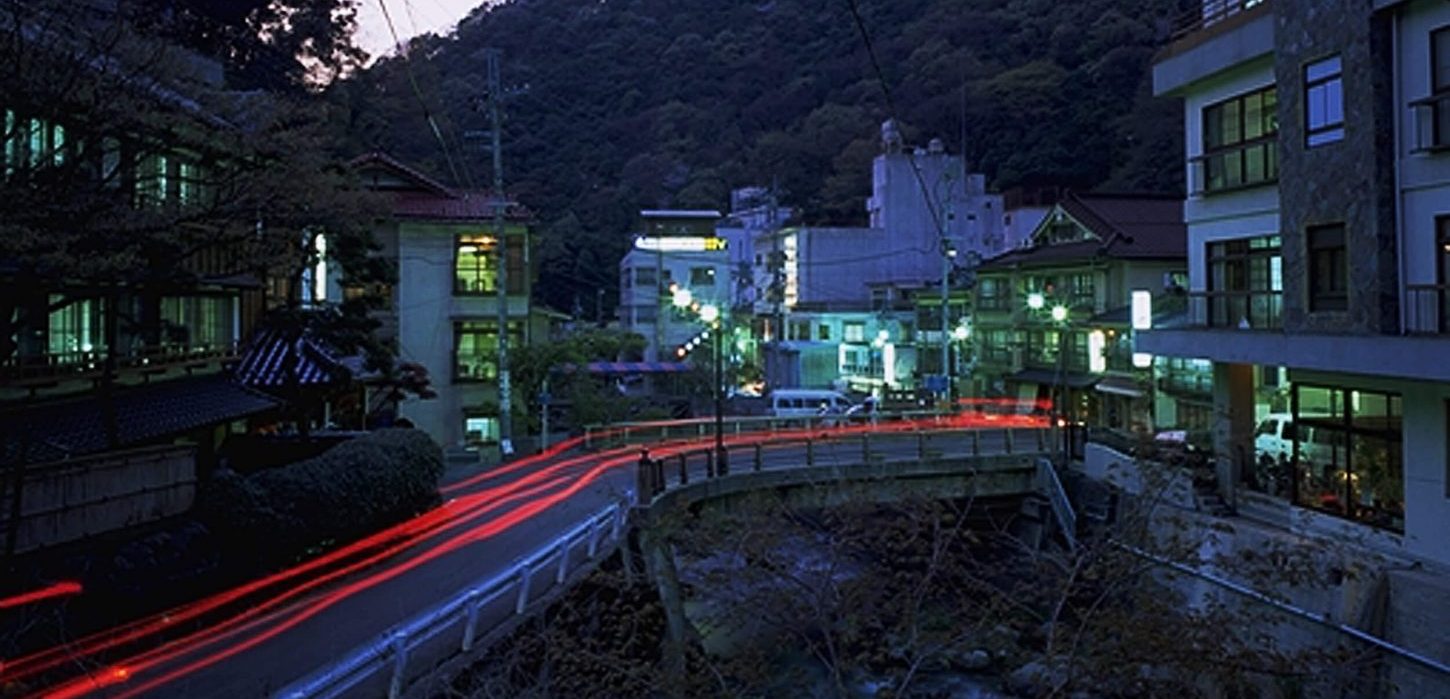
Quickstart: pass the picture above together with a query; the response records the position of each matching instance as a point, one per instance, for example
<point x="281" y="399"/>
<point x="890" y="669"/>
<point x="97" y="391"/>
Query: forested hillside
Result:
<point x="629" y="104"/>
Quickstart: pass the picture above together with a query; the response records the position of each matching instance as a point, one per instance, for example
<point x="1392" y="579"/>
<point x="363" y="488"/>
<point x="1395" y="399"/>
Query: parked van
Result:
<point x="1275" y="438"/>
<point x="806" y="402"/>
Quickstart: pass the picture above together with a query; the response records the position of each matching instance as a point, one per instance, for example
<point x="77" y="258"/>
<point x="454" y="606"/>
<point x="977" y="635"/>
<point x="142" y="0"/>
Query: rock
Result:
<point x="976" y="661"/>
<point x="1036" y="679"/>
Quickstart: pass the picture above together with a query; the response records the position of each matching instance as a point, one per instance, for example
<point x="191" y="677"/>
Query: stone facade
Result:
<point x="1361" y="163"/>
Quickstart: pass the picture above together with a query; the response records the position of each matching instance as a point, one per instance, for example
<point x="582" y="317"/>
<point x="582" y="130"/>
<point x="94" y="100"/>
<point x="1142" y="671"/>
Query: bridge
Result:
<point x="389" y="615"/>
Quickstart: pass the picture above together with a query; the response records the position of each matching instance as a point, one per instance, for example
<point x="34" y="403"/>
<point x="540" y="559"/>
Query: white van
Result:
<point x="1275" y="437"/>
<point x="806" y="402"/>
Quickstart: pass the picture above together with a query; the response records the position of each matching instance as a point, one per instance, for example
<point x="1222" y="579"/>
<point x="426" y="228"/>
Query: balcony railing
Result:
<point x="79" y="365"/>
<point x="1251" y="164"/>
<point x="1432" y="123"/>
<point x="1212" y="12"/>
<point x="1242" y="310"/>
<point x="1427" y="309"/>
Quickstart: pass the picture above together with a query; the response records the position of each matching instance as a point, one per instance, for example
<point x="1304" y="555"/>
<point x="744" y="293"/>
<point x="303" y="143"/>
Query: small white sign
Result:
<point x="1142" y="309"/>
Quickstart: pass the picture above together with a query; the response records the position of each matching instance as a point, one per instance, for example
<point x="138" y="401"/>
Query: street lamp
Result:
<point x="710" y="314"/>
<point x="1036" y="300"/>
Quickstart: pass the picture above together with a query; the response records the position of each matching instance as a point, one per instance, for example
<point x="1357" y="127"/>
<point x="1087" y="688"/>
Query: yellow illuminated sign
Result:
<point x="682" y="244"/>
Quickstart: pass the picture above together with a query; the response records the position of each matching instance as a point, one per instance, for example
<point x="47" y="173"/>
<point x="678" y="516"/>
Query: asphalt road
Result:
<point x="489" y="521"/>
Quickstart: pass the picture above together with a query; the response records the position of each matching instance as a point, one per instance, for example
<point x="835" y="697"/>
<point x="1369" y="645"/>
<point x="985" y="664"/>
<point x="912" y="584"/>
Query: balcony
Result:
<point x="65" y="366"/>
<point x="1251" y="164"/>
<point x="1220" y="34"/>
<point x="1432" y="123"/>
<point x="1212" y="13"/>
<point x="1242" y="310"/>
<point x="1427" y="309"/>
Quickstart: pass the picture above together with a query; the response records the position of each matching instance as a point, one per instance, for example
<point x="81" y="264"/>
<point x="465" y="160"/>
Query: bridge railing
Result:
<point x="621" y="434"/>
<point x="681" y="466"/>
<point x="391" y="651"/>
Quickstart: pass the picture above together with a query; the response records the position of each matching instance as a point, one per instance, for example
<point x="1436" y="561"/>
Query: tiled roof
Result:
<point x="1128" y="227"/>
<point x="264" y="365"/>
<point x="76" y="426"/>
<point x="433" y="200"/>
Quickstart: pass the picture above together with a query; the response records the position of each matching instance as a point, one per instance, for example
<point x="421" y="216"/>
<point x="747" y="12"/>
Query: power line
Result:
<point x="893" y="114"/>
<point x="418" y="93"/>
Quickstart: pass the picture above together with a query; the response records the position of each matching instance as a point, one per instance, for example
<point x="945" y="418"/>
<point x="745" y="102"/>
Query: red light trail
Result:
<point x="281" y="601"/>
<point x="60" y="589"/>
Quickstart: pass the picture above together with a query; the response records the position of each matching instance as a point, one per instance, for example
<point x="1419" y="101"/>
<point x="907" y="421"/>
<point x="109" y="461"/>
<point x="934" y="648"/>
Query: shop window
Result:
<point x="1328" y="269"/>
<point x="1323" y="102"/>
<point x="1347" y="454"/>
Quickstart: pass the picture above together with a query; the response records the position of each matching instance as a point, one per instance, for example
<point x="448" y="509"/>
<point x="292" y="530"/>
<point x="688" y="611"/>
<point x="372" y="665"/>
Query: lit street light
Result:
<point x="1036" y="300"/>
<point x="710" y="315"/>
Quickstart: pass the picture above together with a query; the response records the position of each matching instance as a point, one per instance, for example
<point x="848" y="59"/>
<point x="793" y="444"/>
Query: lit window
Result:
<point x="1324" y="102"/>
<point x="475" y="348"/>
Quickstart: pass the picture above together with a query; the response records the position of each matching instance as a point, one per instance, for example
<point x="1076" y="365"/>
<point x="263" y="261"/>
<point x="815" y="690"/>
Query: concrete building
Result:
<point x="443" y="312"/>
<point x="678" y="251"/>
<point x="1319" y="246"/>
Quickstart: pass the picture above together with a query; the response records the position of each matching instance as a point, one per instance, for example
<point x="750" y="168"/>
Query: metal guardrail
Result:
<point x="1051" y="485"/>
<point x="392" y="649"/>
<point x="1323" y="619"/>
<point x="602" y="436"/>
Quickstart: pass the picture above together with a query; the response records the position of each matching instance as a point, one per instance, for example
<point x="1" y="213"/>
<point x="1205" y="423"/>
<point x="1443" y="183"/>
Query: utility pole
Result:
<point x="505" y="391"/>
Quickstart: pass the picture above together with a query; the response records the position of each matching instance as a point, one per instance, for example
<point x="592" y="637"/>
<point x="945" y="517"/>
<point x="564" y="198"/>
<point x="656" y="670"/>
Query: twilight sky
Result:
<point x="411" y="17"/>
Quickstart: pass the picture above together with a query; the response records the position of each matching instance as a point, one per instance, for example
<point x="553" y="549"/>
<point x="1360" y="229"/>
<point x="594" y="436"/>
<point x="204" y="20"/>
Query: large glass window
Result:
<point x="197" y="322"/>
<point x="1245" y="283"/>
<point x="475" y="348"/>
<point x="1240" y="146"/>
<point x="1323" y="102"/>
<point x="476" y="265"/>
<point x="1347" y="454"/>
<point x="1328" y="269"/>
<point x="76" y="327"/>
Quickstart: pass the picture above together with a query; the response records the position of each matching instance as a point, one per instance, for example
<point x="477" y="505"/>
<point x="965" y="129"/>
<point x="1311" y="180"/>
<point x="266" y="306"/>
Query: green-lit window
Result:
<point x="75" y="328"/>
<point x="476" y="265"/>
<point x="197" y="322"/>
<point x="475" y="348"/>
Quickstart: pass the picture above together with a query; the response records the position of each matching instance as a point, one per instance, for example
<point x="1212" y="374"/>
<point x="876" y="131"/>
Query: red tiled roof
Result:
<point x="464" y="206"/>
<point x="1128" y="227"/>
<point x="431" y="199"/>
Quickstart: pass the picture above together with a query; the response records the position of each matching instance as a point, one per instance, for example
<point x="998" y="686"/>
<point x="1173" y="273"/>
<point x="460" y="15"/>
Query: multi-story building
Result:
<point x="679" y="251"/>
<point x="1052" y="321"/>
<point x="443" y="312"/>
<point x="1318" y="158"/>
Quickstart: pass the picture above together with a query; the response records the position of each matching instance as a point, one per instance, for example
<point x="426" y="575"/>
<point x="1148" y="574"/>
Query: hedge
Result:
<point x="347" y="492"/>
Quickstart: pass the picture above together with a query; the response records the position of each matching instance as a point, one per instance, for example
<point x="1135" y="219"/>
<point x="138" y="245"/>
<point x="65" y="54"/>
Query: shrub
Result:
<point x="350" y="491"/>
